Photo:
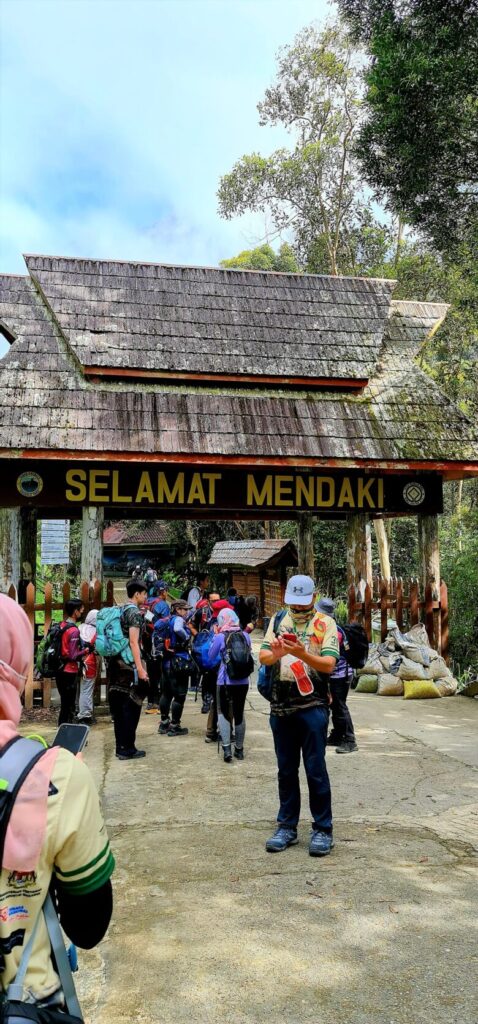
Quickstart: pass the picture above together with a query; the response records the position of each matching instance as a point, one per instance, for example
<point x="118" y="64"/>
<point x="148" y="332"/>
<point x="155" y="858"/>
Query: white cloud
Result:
<point x="119" y="119"/>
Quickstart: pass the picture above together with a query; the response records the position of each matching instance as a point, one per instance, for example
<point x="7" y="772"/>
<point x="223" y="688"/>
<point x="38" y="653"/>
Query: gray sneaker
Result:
<point x="282" y="838"/>
<point x="346" y="747"/>
<point x="321" y="843"/>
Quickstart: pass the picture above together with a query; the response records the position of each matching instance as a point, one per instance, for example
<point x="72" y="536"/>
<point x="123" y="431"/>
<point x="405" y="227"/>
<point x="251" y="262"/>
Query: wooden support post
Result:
<point x="9" y="548"/>
<point x="28" y="548"/>
<point x="305" y="543"/>
<point x="429" y="553"/>
<point x="359" y="550"/>
<point x="92" y="544"/>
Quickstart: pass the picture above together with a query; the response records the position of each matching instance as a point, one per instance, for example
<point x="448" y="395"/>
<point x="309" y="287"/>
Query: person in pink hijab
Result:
<point x="56" y="829"/>
<point x="231" y="692"/>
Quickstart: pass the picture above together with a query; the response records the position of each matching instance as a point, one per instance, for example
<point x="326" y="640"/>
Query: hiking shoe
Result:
<point x="164" y="727"/>
<point x="132" y="756"/>
<point x="346" y="747"/>
<point x="205" y="708"/>
<point x="332" y="740"/>
<point x="239" y="753"/>
<point x="227" y="753"/>
<point x="282" y="838"/>
<point x="211" y="739"/>
<point x="177" y="730"/>
<point x="151" y="709"/>
<point x="320" y="844"/>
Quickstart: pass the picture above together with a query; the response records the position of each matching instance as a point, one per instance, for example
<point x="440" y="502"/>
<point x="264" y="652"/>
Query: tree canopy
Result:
<point x="418" y="144"/>
<point x="264" y="258"/>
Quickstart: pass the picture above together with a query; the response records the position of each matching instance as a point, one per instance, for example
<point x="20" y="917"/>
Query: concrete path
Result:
<point x="208" y="927"/>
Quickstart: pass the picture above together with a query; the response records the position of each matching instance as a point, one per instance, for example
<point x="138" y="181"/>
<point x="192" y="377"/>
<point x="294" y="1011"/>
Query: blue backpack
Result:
<point x="110" y="640"/>
<point x="161" y="632"/>
<point x="201" y="646"/>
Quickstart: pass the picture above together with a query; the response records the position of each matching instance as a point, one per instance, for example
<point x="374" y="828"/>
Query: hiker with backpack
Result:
<point x="156" y="607"/>
<point x="231" y="647"/>
<point x="119" y="641"/>
<point x="51" y="829"/>
<point x="342" y="736"/>
<point x="89" y="670"/>
<point x="72" y="652"/>
<point x="299" y="652"/>
<point x="177" y="669"/>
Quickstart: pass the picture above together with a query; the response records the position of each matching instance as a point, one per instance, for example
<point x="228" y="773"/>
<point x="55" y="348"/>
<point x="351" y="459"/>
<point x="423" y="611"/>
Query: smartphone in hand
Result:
<point x="71" y="737"/>
<point x="289" y="637"/>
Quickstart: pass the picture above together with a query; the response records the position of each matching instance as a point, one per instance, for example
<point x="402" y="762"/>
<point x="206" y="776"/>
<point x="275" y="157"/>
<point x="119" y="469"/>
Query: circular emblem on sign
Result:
<point x="414" y="494"/>
<point x="29" y="484"/>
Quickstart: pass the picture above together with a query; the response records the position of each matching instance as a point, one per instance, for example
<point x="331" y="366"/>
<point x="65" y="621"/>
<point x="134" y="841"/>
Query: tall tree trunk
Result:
<point x="383" y="547"/>
<point x="305" y="543"/>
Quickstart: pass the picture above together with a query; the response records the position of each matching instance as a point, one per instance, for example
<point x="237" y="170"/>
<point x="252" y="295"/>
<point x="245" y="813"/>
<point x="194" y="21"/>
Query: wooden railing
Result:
<point x="402" y="600"/>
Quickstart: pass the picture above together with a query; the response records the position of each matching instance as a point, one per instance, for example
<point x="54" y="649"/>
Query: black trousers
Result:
<point x="174" y="690"/>
<point x="66" y="684"/>
<point x="342" y="725"/>
<point x="231" y="701"/>
<point x="125" y="713"/>
<point x="153" y="666"/>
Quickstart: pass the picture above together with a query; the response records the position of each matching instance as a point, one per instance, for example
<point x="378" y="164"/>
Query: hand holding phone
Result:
<point x="290" y="638"/>
<point x="71" y="737"/>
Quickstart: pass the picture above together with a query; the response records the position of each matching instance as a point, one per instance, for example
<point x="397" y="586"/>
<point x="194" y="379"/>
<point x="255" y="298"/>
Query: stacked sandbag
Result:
<point x="405" y="665"/>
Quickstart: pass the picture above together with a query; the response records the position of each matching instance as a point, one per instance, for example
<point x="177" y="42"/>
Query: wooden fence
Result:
<point x="402" y="600"/>
<point x="395" y="598"/>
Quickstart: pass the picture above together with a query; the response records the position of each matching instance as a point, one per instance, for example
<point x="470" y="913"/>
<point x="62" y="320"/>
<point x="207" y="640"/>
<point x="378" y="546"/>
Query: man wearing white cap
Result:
<point x="301" y="647"/>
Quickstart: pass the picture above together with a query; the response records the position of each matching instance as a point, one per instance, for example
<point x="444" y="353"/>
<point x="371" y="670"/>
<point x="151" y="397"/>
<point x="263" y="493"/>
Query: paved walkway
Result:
<point x="209" y="928"/>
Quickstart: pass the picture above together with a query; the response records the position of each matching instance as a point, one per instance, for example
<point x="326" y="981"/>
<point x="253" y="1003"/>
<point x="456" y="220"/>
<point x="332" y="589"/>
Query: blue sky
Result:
<point x="119" y="116"/>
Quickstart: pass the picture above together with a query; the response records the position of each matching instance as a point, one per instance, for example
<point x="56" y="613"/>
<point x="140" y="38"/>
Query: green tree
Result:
<point x="313" y="188"/>
<point x="264" y="258"/>
<point x="418" y="145"/>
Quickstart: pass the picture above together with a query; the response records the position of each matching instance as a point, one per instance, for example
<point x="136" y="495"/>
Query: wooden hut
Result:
<point x="257" y="568"/>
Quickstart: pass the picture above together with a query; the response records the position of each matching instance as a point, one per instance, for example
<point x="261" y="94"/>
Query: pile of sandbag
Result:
<point x="405" y="665"/>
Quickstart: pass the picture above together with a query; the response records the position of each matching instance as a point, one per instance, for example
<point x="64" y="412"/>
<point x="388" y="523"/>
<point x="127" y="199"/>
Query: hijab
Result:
<point x="27" y="827"/>
<point x="88" y="627"/>
<point x="228" y="621"/>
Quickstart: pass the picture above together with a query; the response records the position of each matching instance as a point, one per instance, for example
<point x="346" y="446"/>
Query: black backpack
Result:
<point x="354" y="646"/>
<point x="237" y="656"/>
<point x="51" y="659"/>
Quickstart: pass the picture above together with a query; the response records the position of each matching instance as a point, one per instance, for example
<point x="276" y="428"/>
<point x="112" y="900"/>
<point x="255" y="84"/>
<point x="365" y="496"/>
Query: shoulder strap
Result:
<point x="16" y="761"/>
<point x="278" y="618"/>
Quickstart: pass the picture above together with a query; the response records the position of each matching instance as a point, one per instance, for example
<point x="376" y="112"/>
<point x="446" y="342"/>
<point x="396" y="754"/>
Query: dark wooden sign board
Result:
<point x="138" y="489"/>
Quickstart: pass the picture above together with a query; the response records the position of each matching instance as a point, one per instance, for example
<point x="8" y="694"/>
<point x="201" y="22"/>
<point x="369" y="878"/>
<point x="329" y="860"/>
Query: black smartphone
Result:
<point x="71" y="737"/>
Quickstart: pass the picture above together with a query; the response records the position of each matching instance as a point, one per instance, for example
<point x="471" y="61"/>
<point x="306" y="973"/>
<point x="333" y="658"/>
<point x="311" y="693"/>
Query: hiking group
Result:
<point x="154" y="649"/>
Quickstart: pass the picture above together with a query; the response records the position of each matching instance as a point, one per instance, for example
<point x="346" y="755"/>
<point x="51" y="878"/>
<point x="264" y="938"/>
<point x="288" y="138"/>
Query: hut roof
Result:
<point x="253" y="553"/>
<point x="124" y="534"/>
<point x="48" y="405"/>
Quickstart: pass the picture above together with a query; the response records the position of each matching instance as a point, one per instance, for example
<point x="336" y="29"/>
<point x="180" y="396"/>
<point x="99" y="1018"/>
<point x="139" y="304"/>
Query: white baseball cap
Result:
<point x="300" y="590"/>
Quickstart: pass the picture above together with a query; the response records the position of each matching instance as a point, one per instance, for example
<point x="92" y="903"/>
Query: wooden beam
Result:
<point x="92" y="544"/>
<point x="359" y="551"/>
<point x="28" y="549"/>
<point x="429" y="552"/>
<point x="449" y="470"/>
<point x="305" y="543"/>
<point x="97" y="373"/>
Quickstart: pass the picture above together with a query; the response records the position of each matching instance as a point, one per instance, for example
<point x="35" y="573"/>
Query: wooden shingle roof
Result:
<point x="198" y="320"/>
<point x="121" y="534"/>
<point x="253" y="553"/>
<point x="48" y="405"/>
